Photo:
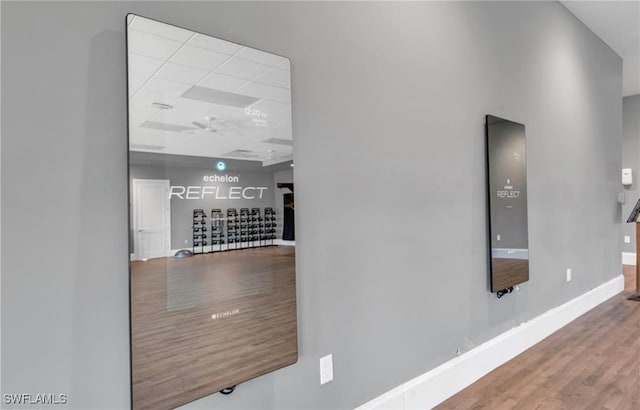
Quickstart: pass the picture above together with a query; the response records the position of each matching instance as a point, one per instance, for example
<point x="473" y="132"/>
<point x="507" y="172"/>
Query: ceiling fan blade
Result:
<point x="200" y="125"/>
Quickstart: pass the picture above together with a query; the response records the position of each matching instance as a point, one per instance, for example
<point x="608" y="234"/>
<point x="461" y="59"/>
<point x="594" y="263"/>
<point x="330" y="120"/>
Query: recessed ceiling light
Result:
<point x="161" y="106"/>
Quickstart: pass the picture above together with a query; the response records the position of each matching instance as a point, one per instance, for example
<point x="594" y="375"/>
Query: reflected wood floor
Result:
<point x="508" y="272"/>
<point x="204" y="323"/>
<point x="592" y="363"/>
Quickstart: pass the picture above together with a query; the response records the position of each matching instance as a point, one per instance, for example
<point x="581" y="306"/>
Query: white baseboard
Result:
<point x="172" y="252"/>
<point x="225" y="247"/>
<point x="281" y="242"/>
<point x="628" y="258"/>
<point x="435" y="386"/>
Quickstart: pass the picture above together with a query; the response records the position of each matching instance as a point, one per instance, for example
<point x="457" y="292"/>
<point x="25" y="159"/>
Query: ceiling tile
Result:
<point x="148" y="96"/>
<point x="258" y="90"/>
<point x="237" y="67"/>
<point x="151" y="45"/>
<point x="164" y="126"/>
<point x="162" y="91"/>
<point x="139" y="112"/>
<point x="259" y="56"/>
<point x="275" y="76"/>
<point x="278" y="141"/>
<point x="192" y="106"/>
<point x="222" y="82"/>
<point x="181" y="73"/>
<point x="219" y="97"/>
<point x="283" y="95"/>
<point x="285" y="65"/>
<point x="214" y="44"/>
<point x="135" y="81"/>
<point x="160" y="29"/>
<point x="272" y="107"/>
<point x="143" y="65"/>
<point x="167" y="85"/>
<point x="183" y="113"/>
<point x="199" y="57"/>
<point x="225" y="112"/>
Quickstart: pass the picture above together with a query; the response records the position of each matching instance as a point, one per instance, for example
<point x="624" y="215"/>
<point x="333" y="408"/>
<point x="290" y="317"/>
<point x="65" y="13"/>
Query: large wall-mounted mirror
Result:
<point x="213" y="293"/>
<point x="507" y="180"/>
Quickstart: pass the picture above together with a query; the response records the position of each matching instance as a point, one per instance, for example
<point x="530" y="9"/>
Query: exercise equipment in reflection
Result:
<point x="217" y="229"/>
<point x="183" y="253"/>
<point x="244" y="227"/>
<point x="232" y="230"/>
<point x="269" y="233"/>
<point x="199" y="238"/>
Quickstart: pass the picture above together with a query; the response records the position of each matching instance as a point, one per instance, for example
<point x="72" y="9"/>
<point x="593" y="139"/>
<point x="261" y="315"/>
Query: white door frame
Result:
<point x="134" y="212"/>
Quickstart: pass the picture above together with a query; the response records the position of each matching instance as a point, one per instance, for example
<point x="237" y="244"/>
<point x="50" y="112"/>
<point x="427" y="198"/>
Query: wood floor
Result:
<point x="204" y="323"/>
<point x="593" y="363"/>
<point x="508" y="272"/>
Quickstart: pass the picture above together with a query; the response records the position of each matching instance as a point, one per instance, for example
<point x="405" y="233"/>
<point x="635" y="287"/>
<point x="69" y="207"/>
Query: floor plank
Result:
<point x="181" y="352"/>
<point x="592" y="363"/>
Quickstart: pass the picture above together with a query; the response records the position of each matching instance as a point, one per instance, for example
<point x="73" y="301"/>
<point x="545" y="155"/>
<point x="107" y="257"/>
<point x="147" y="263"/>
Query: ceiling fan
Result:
<point x="209" y="126"/>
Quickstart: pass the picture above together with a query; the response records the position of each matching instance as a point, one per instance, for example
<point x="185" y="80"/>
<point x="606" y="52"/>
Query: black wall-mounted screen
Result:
<point x="507" y="189"/>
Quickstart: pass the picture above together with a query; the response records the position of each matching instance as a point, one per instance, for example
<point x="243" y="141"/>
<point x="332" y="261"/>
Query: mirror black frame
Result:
<point x="515" y="271"/>
<point x="226" y="389"/>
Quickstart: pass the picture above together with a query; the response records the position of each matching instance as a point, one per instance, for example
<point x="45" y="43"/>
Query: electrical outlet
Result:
<point x="186" y="241"/>
<point x="458" y="352"/>
<point x="627" y="239"/>
<point x="326" y="369"/>
<point x="568" y="275"/>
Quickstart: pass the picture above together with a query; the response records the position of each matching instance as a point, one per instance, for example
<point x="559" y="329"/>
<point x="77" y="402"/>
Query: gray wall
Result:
<point x="630" y="159"/>
<point x="388" y="110"/>
<point x="182" y="209"/>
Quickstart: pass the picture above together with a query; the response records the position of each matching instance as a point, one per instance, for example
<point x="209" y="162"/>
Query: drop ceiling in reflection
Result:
<point x="190" y="94"/>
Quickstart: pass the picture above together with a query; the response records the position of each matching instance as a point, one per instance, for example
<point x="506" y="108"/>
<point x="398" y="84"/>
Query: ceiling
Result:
<point x="185" y="161"/>
<point x="192" y="94"/>
<point x="617" y="23"/>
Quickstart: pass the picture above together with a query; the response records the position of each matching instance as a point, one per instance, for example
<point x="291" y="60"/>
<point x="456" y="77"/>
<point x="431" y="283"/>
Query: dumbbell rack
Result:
<point x="269" y="226"/>
<point x="199" y="229"/>
<point x="254" y="227"/>
<point x="233" y="228"/>
<point x="217" y="230"/>
<point x="245" y="228"/>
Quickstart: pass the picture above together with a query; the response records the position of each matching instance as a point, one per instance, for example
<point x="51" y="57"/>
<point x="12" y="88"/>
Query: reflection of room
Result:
<point x="212" y="212"/>
<point x="507" y="189"/>
<point x="194" y="184"/>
